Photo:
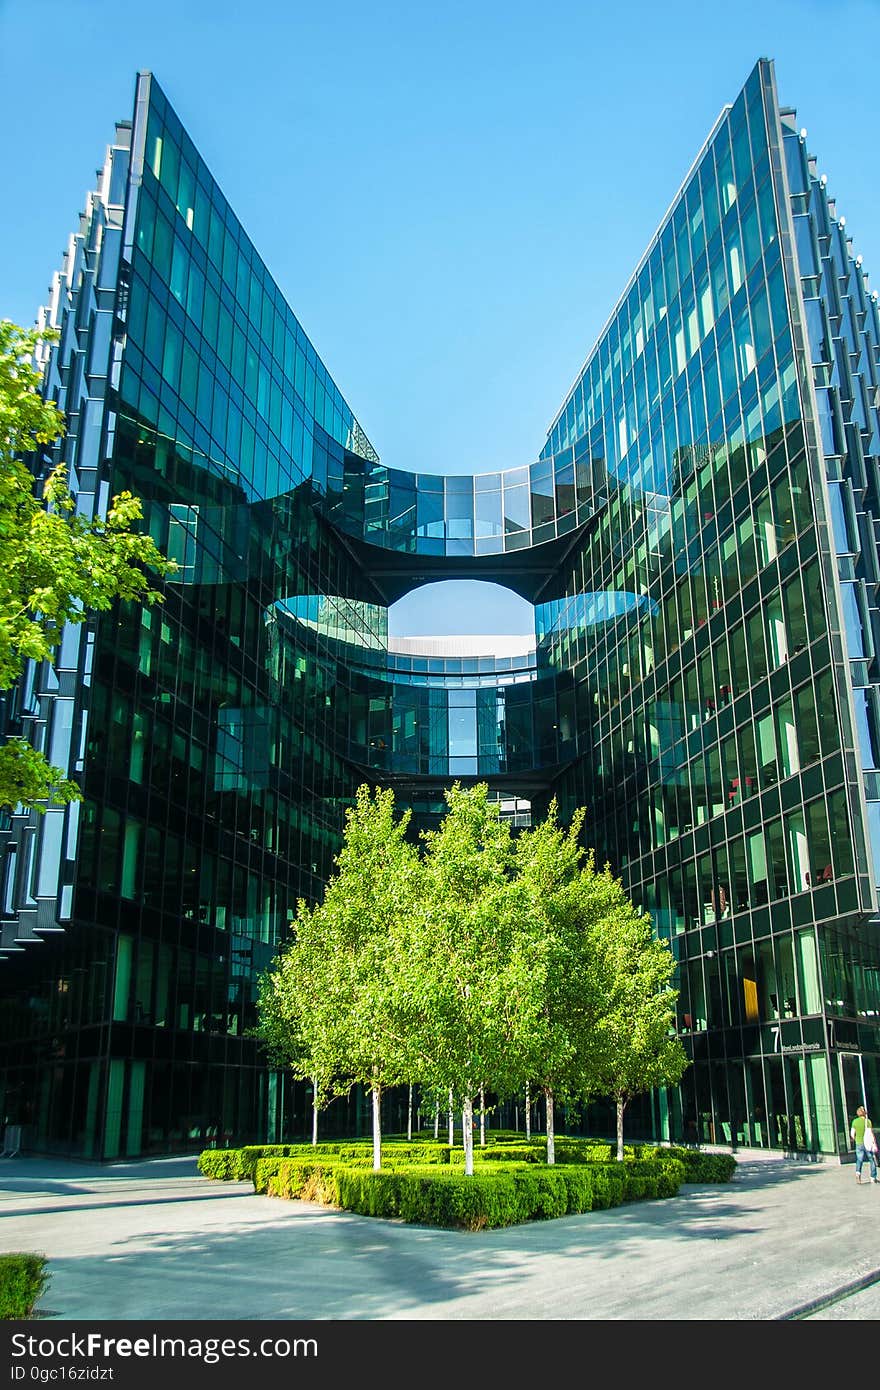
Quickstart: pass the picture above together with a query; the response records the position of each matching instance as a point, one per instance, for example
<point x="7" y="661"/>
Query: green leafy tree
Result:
<point x="639" y="1047"/>
<point x="332" y="988"/>
<point x="294" y="1038"/>
<point x="567" y="978"/>
<point x="56" y="566"/>
<point x="456" y="973"/>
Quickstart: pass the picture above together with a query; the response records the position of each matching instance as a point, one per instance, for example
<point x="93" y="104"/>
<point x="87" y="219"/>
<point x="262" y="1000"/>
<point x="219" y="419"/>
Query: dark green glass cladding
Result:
<point x="721" y="775"/>
<point x="697" y="538"/>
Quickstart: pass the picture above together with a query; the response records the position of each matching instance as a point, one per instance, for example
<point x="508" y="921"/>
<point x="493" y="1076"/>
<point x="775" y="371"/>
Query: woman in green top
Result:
<point x="857" y="1134"/>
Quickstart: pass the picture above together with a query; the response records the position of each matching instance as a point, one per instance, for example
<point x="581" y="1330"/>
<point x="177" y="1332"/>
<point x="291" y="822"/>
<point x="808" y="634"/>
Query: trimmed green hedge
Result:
<point x="702" y="1167"/>
<point x="567" y="1151"/>
<point x="23" y="1277"/>
<point x="512" y="1183"/>
<point x="436" y="1195"/>
<point x="698" y="1166"/>
<point x="231" y="1165"/>
<point x="507" y="1153"/>
<point x="311" y="1181"/>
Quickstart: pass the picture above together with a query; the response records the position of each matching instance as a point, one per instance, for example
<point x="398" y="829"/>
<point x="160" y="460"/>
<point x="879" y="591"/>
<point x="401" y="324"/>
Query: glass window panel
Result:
<point x="818" y="844"/>
<point x="841" y="838"/>
<point x="777" y="640"/>
<point x="488" y="520"/>
<point x="739" y="879"/>
<point x="807" y="729"/>
<point x="757" y="862"/>
<point x="163" y="245"/>
<point x="171" y="355"/>
<point x="488" y="482"/>
<point x="757" y="653"/>
<point x="808" y="972"/>
<point x="462" y="723"/>
<point x="565" y="491"/>
<point x="852" y="619"/>
<point x="778" y="867"/>
<point x="516" y="509"/>
<point x="541" y="487"/>
<point x="787" y="742"/>
<point x="795" y="620"/>
<point x="867" y="727"/>
<point x="460" y="511"/>
<point x="430" y="519"/>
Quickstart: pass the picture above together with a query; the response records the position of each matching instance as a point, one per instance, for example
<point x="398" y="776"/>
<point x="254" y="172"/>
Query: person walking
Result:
<point x="861" y="1131"/>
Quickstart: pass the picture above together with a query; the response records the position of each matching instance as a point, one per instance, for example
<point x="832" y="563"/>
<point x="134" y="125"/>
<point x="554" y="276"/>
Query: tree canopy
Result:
<point x="567" y="979"/>
<point x="56" y="566"/>
<point x="639" y="1047"/>
<point x="328" y="1005"/>
<point x="456" y="970"/>
<point x="480" y="962"/>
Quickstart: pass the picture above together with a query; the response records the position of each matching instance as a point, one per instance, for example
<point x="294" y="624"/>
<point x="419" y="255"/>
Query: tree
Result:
<point x="456" y="973"/>
<point x="566" y="978"/>
<point x="331" y="987"/>
<point x="56" y="566"/>
<point x="639" y="1045"/>
<point x="292" y="1036"/>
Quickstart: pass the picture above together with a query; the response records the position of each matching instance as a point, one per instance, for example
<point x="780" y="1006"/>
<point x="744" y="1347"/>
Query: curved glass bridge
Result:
<point x="512" y="527"/>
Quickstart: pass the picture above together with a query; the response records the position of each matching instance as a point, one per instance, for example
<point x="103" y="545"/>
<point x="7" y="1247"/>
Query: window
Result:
<point x="818" y="844"/>
<point x="799" y="857"/>
<point x="807" y="728"/>
<point x="757" y="861"/>
<point x="841" y="840"/>
<point x="777" y="643"/>
<point x="786" y="739"/>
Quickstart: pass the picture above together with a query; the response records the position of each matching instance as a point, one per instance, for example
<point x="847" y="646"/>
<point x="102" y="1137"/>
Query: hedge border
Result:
<point x="23" y="1277"/>
<point x="436" y="1195"/>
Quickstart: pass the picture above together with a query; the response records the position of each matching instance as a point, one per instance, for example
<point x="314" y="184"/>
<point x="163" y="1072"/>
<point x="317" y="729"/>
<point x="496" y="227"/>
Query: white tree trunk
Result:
<point x="314" y="1109"/>
<point x="451" y="1121"/>
<point x="482" y="1118"/>
<point x="377" y="1128"/>
<point x="528" y="1112"/>
<point x="551" y="1132"/>
<point x="467" y="1134"/>
<point x="409" y="1114"/>
<point x="620" y="1108"/>
<point x="437" y="1120"/>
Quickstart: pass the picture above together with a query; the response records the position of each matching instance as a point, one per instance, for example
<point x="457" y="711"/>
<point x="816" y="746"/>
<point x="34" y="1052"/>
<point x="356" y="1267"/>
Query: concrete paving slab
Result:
<point x="155" y="1240"/>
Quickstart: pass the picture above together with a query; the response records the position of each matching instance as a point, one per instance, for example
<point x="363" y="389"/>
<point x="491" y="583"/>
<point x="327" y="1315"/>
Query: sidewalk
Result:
<point x="155" y="1240"/>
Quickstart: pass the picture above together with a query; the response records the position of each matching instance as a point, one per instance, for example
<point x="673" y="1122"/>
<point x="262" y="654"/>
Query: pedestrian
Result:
<point x="861" y="1131"/>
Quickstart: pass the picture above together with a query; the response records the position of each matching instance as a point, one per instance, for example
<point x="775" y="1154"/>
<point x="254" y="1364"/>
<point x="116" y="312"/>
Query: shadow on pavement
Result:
<point x="281" y="1259"/>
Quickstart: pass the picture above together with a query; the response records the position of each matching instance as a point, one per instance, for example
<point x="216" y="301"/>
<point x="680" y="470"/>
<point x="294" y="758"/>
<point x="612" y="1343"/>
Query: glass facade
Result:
<point x="698" y="539"/>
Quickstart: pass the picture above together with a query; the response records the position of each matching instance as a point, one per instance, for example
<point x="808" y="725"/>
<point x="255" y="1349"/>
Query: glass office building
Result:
<point x="698" y="538"/>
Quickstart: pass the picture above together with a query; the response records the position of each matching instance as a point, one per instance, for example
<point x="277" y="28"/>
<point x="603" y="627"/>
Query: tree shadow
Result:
<point x="262" y="1258"/>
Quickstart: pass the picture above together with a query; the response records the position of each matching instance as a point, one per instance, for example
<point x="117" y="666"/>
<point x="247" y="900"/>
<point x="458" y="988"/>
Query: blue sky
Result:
<point x="452" y="198"/>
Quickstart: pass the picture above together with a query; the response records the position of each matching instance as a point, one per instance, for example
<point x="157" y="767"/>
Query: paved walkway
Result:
<point x="155" y="1240"/>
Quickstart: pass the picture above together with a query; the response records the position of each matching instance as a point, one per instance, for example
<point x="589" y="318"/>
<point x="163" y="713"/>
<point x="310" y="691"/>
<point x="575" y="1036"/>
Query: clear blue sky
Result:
<point x="452" y="197"/>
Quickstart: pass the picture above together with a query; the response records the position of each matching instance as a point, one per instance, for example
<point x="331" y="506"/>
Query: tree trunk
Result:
<point x="528" y="1112"/>
<point x="437" y="1120"/>
<point x="314" y="1109"/>
<point x="451" y="1121"/>
<point x="482" y="1118"/>
<point x="621" y="1103"/>
<point x="377" y="1128"/>
<point x="409" y="1114"/>
<point x="551" y="1133"/>
<point x="467" y="1134"/>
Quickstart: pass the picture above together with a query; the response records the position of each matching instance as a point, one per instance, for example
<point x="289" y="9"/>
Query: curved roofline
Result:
<point x="516" y="644"/>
